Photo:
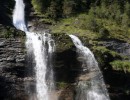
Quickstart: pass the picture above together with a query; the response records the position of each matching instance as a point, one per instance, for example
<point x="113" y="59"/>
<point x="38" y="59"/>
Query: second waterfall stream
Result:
<point x="42" y="46"/>
<point x="91" y="87"/>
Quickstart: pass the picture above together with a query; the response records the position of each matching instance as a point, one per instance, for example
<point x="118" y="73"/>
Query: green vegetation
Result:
<point x="37" y="4"/>
<point x="84" y="25"/>
<point x="6" y="29"/>
<point x="59" y="8"/>
<point x="103" y="50"/>
<point x="104" y="55"/>
<point x="40" y="5"/>
<point x="76" y="25"/>
<point x="9" y="32"/>
<point x="93" y="18"/>
<point x="63" y="42"/>
<point x="121" y="65"/>
<point x="62" y="85"/>
<point x="104" y="20"/>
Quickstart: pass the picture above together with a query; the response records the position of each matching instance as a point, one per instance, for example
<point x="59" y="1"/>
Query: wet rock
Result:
<point x="20" y="58"/>
<point x="67" y="93"/>
<point x="11" y="58"/>
<point x="12" y="69"/>
<point x="87" y="76"/>
<point x="118" y="46"/>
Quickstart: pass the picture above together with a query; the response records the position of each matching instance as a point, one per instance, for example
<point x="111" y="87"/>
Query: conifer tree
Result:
<point x="52" y="10"/>
<point x="68" y="7"/>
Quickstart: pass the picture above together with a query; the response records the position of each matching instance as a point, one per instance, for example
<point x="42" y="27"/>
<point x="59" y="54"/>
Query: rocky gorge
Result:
<point x="17" y="76"/>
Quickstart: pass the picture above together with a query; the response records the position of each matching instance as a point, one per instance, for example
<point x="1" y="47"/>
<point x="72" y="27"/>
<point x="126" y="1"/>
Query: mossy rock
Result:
<point x="105" y="56"/>
<point x="63" y="41"/>
<point x="8" y="32"/>
<point x="121" y="65"/>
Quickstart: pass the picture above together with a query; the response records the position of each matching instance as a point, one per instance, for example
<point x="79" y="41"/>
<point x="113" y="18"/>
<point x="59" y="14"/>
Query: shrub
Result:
<point x="61" y="85"/>
<point x="38" y="6"/>
<point x="104" y="33"/>
<point x="121" y="65"/>
<point x="68" y="7"/>
<point x="89" y="23"/>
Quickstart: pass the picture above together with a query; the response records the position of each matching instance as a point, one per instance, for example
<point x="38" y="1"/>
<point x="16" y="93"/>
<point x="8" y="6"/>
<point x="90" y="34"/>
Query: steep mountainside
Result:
<point x="105" y="32"/>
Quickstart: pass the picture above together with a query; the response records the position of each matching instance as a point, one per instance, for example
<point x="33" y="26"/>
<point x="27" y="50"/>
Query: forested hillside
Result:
<point x="110" y="9"/>
<point x="94" y="15"/>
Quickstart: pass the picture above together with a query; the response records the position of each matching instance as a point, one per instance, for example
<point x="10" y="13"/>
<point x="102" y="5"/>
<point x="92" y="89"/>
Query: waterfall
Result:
<point x="42" y="46"/>
<point x="91" y="85"/>
<point x="18" y="16"/>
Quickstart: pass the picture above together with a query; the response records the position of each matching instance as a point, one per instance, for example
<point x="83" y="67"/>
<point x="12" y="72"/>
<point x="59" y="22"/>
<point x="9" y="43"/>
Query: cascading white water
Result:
<point x="42" y="53"/>
<point x="42" y="46"/>
<point x="92" y="86"/>
<point x="18" y="16"/>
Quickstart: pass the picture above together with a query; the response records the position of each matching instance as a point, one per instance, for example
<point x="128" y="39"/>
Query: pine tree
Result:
<point x="125" y="20"/>
<point x="68" y="7"/>
<point x="127" y="9"/>
<point x="52" y="10"/>
<point x="38" y="5"/>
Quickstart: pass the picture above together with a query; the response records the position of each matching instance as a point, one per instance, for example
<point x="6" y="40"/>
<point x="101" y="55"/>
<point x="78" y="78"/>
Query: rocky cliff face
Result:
<point x="13" y="69"/>
<point x="118" y="46"/>
<point x="18" y="77"/>
<point x="17" y="70"/>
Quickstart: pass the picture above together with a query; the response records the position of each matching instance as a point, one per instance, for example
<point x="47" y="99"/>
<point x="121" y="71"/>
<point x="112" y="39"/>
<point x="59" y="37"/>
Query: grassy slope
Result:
<point x="77" y="25"/>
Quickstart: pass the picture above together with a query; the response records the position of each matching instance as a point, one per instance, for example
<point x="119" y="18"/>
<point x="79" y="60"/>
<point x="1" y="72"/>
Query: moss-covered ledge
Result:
<point x="63" y="41"/>
<point x="10" y="32"/>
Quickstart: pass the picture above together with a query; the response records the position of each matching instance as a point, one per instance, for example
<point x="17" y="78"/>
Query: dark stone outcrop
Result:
<point x="6" y="10"/>
<point x="121" y="47"/>
<point x="13" y="69"/>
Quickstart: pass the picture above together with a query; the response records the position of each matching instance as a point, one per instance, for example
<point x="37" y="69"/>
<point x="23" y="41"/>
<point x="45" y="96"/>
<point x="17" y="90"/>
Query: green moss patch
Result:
<point x="8" y="32"/>
<point x="121" y="65"/>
